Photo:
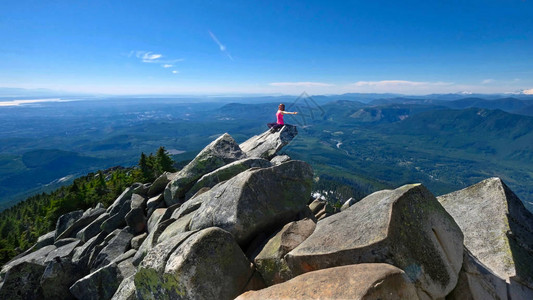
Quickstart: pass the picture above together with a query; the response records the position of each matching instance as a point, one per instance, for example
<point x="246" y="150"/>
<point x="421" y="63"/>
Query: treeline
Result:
<point x="22" y="224"/>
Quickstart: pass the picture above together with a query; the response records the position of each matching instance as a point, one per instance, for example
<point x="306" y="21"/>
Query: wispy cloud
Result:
<point x="300" y="84"/>
<point x="528" y="92"/>
<point x="487" y="81"/>
<point x="222" y="47"/>
<point x="151" y="57"/>
<point x="398" y="83"/>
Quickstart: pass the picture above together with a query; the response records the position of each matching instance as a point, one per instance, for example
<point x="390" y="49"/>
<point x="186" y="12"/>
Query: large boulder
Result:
<point x="126" y="290"/>
<point x="82" y="254"/>
<point x="116" y="246"/>
<point x="136" y="219"/>
<point x="267" y="144"/>
<point x="498" y="229"/>
<point x="406" y="227"/>
<point x="158" y="186"/>
<point x="63" y="252"/>
<point x="103" y="283"/>
<point x="138" y="240"/>
<point x="226" y="172"/>
<point x="57" y="278"/>
<point x="118" y="219"/>
<point x="22" y="281"/>
<point x="44" y="240"/>
<point x="206" y="265"/>
<point x="154" y="203"/>
<point x="93" y="229"/>
<point x="85" y="219"/>
<point x="119" y="202"/>
<point x="66" y="220"/>
<point x="270" y="260"/>
<point x="155" y="218"/>
<point x="188" y="207"/>
<point x="178" y="226"/>
<point x="151" y="240"/>
<point x="477" y="282"/>
<point x="317" y="205"/>
<point x="279" y="159"/>
<point x="218" y="153"/>
<point x="361" y="281"/>
<point x="257" y="200"/>
<point x="38" y="258"/>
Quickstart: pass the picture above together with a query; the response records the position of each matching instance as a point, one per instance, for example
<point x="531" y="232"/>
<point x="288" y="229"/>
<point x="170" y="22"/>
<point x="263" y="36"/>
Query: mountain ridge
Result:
<point x="256" y="236"/>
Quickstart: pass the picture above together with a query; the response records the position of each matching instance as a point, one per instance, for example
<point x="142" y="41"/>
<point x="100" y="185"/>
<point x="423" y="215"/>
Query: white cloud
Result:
<point x="528" y="92"/>
<point x="487" y="81"/>
<point x="148" y="57"/>
<point x="28" y="101"/>
<point x="397" y="83"/>
<point x="175" y="72"/>
<point x="300" y="83"/>
<point x="151" y="57"/>
<point x="222" y="47"/>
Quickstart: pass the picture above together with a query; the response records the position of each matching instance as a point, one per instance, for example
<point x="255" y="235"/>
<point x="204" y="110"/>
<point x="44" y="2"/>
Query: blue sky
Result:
<point x="230" y="47"/>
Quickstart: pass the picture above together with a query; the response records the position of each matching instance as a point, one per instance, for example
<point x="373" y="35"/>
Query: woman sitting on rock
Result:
<point x="279" y="116"/>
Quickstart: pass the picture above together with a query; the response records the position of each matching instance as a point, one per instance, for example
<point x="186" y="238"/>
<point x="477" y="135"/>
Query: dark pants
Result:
<point x="274" y="126"/>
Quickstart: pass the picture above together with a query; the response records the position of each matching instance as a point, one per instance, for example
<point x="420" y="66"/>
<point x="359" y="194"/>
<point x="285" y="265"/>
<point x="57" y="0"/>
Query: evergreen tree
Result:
<point x="164" y="161"/>
<point x="146" y="169"/>
<point x="101" y="186"/>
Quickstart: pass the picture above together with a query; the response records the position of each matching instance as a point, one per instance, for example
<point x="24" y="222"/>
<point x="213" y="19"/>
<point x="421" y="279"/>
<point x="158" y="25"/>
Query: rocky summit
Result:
<point x="239" y="222"/>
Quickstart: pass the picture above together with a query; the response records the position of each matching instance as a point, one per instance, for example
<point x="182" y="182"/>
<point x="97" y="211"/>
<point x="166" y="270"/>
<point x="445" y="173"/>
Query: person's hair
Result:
<point x="281" y="107"/>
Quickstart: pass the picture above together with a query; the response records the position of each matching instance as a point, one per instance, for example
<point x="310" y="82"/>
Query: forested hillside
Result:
<point x="22" y="224"/>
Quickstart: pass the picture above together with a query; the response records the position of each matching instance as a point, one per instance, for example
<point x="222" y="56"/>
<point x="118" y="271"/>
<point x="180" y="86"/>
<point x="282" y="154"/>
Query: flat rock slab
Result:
<point x="267" y="144"/>
<point x="361" y="281"/>
<point x="87" y="217"/>
<point x="63" y="252"/>
<point x="211" y="179"/>
<point x="406" y="227"/>
<point x="498" y="229"/>
<point x="38" y="257"/>
<point x="255" y="200"/>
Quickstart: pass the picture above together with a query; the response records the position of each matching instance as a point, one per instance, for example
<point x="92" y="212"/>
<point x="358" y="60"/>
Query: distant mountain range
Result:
<point x="369" y="143"/>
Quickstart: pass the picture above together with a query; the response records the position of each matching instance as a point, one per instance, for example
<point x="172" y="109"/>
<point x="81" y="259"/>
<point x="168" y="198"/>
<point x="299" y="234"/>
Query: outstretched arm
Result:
<point x="289" y="112"/>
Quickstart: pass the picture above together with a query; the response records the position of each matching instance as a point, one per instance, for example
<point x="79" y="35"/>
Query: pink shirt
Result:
<point x="279" y="116"/>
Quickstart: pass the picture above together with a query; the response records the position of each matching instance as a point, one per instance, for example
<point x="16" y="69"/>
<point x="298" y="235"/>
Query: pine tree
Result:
<point x="164" y="161"/>
<point x="101" y="187"/>
<point x="146" y="170"/>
